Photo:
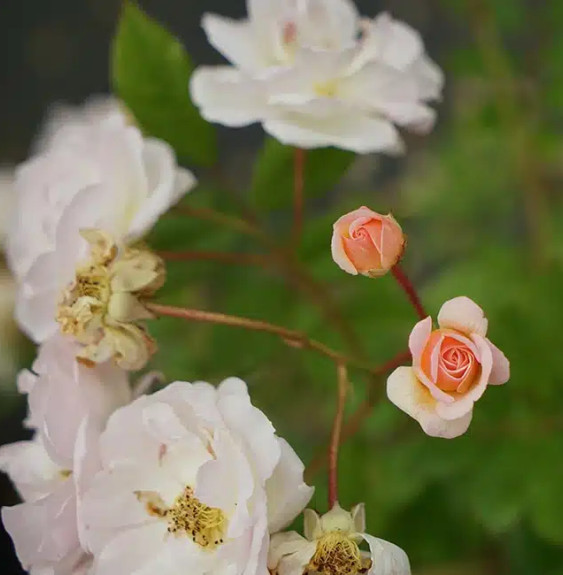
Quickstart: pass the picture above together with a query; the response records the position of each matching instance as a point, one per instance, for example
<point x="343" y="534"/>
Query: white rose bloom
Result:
<point x="331" y="547"/>
<point x="94" y="110"/>
<point x="68" y="407"/>
<point x="102" y="175"/>
<point x="193" y="479"/>
<point x="315" y="74"/>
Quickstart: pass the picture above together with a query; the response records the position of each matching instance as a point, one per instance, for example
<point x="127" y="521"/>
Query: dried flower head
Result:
<point x="103" y="306"/>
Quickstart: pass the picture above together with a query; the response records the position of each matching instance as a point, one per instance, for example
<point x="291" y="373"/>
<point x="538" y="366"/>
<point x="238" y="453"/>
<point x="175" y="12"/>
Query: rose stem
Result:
<point x="356" y="420"/>
<point x="226" y="258"/>
<point x="342" y="375"/>
<point x="409" y="289"/>
<point x="291" y="337"/>
<point x="298" y="185"/>
<point x="291" y="268"/>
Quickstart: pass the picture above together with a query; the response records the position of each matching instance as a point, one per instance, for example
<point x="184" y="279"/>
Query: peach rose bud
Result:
<point x="365" y="242"/>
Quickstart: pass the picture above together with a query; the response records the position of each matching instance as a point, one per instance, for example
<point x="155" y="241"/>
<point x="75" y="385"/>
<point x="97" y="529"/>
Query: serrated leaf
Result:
<point x="272" y="185"/>
<point x="151" y="72"/>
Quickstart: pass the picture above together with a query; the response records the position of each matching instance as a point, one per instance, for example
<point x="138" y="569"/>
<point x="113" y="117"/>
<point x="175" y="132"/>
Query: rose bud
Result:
<point x="452" y="367"/>
<point x="365" y="242"/>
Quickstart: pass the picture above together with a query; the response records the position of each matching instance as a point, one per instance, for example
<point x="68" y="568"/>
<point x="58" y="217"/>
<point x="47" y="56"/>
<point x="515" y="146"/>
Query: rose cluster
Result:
<point x="117" y="480"/>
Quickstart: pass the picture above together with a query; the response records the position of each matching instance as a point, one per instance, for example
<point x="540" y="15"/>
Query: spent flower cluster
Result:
<point x="119" y="480"/>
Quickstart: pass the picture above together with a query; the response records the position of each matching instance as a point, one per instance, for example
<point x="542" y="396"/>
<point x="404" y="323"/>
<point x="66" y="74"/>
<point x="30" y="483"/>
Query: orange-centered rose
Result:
<point x="452" y="367"/>
<point x="368" y="243"/>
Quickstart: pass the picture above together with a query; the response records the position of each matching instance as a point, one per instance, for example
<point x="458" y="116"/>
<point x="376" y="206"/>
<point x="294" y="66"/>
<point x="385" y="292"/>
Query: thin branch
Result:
<point x="291" y="337"/>
<point x="356" y="420"/>
<point x="342" y="375"/>
<point x="298" y="187"/>
<point x="409" y="289"/>
<point x="296" y="273"/>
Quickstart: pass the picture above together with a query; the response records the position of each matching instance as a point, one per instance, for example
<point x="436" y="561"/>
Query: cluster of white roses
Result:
<point x="191" y="478"/>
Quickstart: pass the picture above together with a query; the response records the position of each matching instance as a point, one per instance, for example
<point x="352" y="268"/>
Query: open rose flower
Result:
<point x="331" y="546"/>
<point x="452" y="367"/>
<point x="315" y="74"/>
<point x="193" y="479"/>
<point x="68" y="408"/>
<point x="368" y="243"/>
<point x="102" y="175"/>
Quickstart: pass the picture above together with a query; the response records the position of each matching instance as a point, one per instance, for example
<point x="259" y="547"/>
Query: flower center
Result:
<point x="86" y="298"/>
<point x="205" y="525"/>
<point x="337" y="554"/>
<point x="188" y="516"/>
<point x="327" y="89"/>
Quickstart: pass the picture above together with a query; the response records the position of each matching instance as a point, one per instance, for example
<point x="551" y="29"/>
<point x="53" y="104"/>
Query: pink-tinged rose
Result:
<point x="452" y="367"/>
<point x="365" y="242"/>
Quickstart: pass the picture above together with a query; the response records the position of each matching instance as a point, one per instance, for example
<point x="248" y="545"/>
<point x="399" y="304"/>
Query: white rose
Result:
<point x="315" y="74"/>
<point x="68" y="407"/>
<point x="92" y="175"/>
<point x="193" y="478"/>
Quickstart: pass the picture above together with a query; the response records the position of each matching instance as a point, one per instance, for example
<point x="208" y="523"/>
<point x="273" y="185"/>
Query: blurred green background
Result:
<point x="479" y="200"/>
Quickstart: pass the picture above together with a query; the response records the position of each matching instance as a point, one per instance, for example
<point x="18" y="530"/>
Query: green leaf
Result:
<point x="151" y="73"/>
<point x="272" y="185"/>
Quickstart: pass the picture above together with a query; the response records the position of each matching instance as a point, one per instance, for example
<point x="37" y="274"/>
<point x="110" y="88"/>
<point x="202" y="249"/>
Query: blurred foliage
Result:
<point x="480" y="200"/>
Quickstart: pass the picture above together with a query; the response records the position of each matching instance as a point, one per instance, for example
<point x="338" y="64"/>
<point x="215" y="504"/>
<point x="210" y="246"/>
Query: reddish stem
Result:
<point x="410" y="290"/>
<point x="335" y="438"/>
<point x="298" y="186"/>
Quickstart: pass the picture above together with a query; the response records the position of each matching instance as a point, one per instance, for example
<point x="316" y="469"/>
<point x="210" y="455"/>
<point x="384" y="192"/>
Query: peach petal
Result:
<point x="418" y="338"/>
<point x="408" y="394"/>
<point x="501" y="366"/>
<point x="340" y="256"/>
<point x="434" y="390"/>
<point x="464" y="315"/>
<point x="463" y="404"/>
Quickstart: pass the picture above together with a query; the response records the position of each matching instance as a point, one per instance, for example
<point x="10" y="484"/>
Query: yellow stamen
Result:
<point x="188" y="516"/>
<point x="337" y="554"/>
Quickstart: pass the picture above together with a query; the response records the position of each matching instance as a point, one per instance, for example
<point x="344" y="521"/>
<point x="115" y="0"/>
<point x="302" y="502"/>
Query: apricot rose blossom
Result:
<point x="315" y="74"/>
<point x="452" y="367"/>
<point x="368" y="243"/>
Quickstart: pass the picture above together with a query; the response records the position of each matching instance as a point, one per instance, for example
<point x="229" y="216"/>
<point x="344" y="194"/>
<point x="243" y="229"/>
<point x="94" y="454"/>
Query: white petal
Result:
<point x="501" y="366"/>
<point x="463" y="314"/>
<point x="251" y="425"/>
<point x="321" y="124"/>
<point x="286" y="491"/>
<point x="290" y="553"/>
<point x="166" y="184"/>
<point x="409" y="395"/>
<point x="430" y="78"/>
<point x="227" y="97"/>
<point x="234" y="39"/>
<point x="387" y="558"/>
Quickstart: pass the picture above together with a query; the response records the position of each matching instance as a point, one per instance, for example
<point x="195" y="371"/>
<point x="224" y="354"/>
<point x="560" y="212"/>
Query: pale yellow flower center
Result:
<point x="337" y="554"/>
<point x="188" y="516"/>
<point x="327" y="89"/>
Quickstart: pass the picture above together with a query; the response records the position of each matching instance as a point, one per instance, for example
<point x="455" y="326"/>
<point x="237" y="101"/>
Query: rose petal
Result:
<point x="411" y="396"/>
<point x="387" y="558"/>
<point x="418" y="338"/>
<point x="463" y="314"/>
<point x="501" y="366"/>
